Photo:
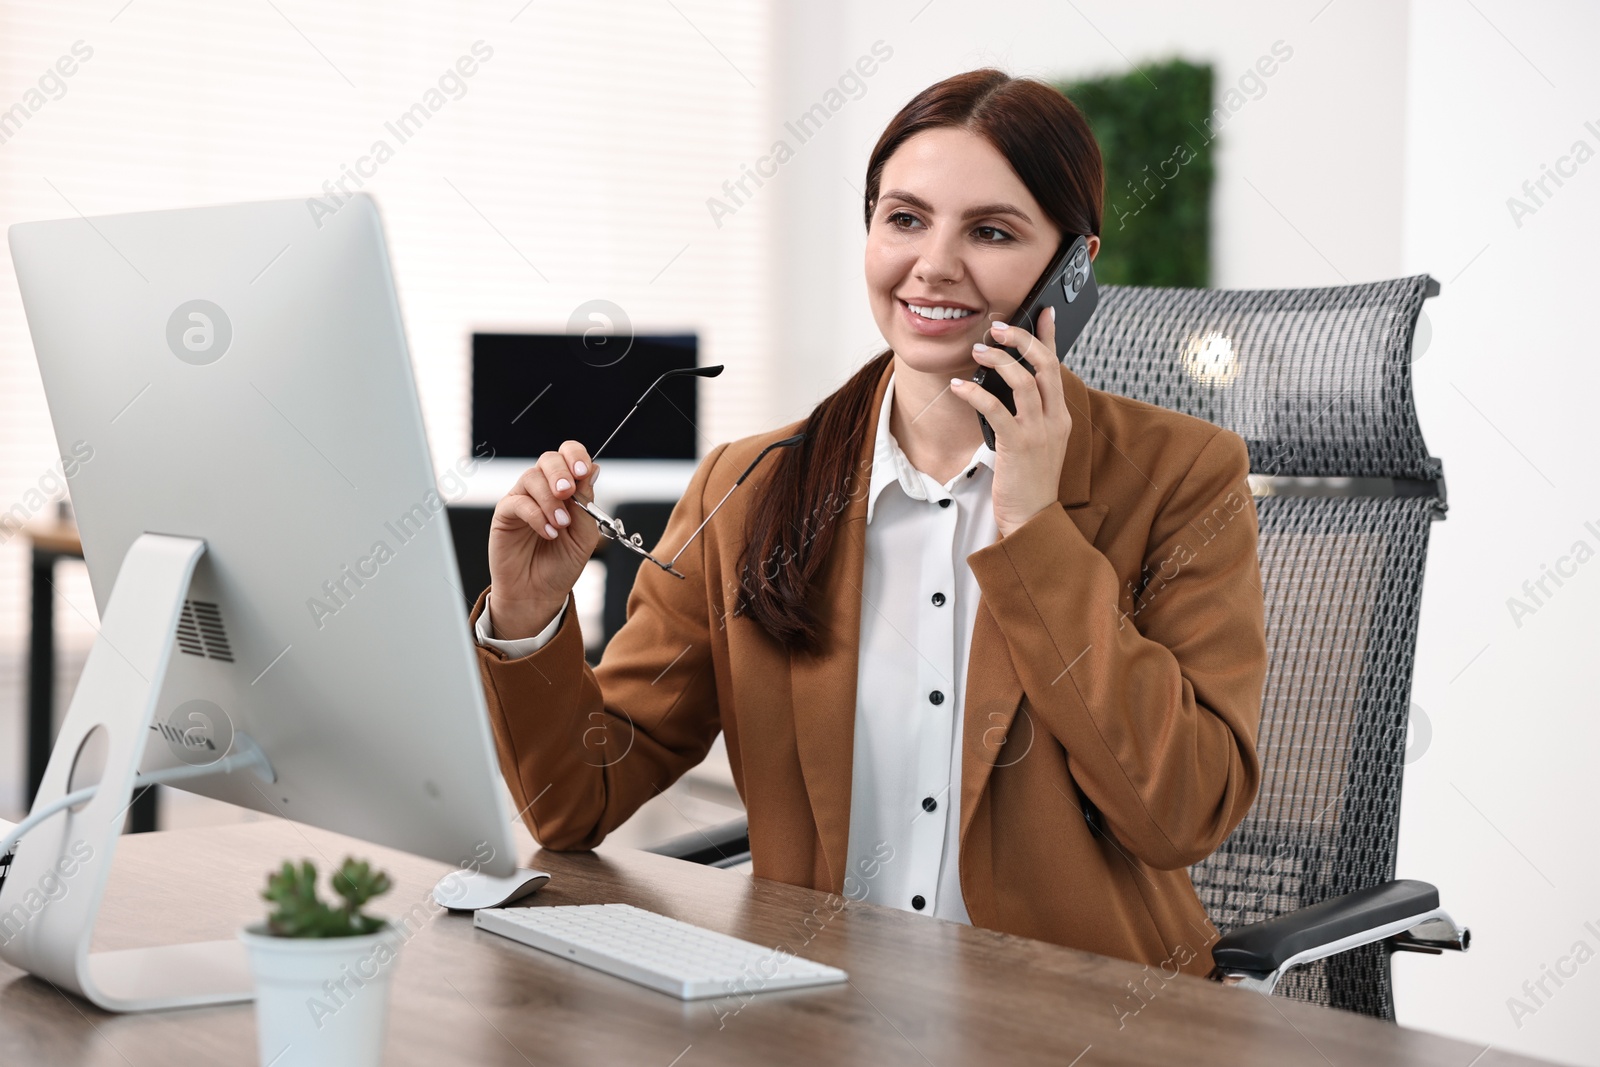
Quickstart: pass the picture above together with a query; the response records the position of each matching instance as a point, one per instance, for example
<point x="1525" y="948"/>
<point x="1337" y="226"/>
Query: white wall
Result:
<point x="1288" y="211"/>
<point x="575" y="166"/>
<point x="1499" y="809"/>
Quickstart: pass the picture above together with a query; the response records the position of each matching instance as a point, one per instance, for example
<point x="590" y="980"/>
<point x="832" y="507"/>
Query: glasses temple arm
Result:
<point x="699" y="372"/>
<point x="787" y="442"/>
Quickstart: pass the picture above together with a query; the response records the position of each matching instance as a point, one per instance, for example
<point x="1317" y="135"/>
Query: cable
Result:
<point x="245" y="754"/>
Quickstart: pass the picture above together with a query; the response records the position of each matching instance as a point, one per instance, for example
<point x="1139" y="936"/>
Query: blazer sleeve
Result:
<point x="1157" y="706"/>
<point x="581" y="748"/>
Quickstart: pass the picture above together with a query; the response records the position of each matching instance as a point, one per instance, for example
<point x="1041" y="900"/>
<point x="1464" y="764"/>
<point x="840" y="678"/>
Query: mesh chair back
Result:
<point x="1318" y="383"/>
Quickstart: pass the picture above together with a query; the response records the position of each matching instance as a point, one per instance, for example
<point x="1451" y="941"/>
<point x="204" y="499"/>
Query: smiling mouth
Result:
<point x="937" y="312"/>
<point x="950" y="321"/>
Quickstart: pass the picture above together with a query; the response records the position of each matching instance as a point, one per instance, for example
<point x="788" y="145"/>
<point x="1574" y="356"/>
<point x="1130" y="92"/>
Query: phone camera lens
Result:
<point x="1077" y="283"/>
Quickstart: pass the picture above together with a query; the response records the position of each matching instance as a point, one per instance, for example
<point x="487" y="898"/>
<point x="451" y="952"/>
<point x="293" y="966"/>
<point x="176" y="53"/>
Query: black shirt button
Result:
<point x="918" y="903"/>
<point x="971" y="472"/>
<point x="936" y="696"/>
<point x="929" y="804"/>
<point x="938" y="600"/>
<point x="945" y="502"/>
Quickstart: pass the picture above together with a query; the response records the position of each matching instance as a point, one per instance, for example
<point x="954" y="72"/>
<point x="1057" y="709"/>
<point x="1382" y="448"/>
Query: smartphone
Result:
<point x="1067" y="285"/>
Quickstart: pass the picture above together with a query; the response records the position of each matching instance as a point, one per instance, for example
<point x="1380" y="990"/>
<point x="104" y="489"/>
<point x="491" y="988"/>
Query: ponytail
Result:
<point x="791" y="528"/>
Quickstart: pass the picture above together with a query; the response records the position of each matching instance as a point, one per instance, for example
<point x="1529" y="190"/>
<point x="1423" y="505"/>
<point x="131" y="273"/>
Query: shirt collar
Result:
<point x="891" y="467"/>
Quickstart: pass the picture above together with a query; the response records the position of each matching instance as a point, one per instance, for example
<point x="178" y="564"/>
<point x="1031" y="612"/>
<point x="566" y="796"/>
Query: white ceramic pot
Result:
<point x="321" y="1001"/>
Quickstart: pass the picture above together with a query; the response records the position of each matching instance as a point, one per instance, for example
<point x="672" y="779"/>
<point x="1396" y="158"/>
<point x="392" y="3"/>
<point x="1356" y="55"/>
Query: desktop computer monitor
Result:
<point x="239" y="376"/>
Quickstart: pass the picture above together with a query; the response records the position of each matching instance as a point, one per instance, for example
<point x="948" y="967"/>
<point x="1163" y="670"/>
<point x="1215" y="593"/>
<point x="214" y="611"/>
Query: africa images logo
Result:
<point x="199" y="332"/>
<point x="198" y="732"/>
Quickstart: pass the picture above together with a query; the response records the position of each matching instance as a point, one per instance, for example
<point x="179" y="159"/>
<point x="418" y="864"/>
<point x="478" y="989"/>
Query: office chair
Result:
<point x="1318" y="383"/>
<point x="469" y="533"/>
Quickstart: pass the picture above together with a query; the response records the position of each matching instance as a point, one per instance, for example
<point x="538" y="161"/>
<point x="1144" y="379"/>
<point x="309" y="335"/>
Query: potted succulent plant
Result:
<point x="322" y="970"/>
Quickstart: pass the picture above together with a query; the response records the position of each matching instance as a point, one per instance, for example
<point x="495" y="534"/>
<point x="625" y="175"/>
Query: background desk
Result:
<point x="922" y="992"/>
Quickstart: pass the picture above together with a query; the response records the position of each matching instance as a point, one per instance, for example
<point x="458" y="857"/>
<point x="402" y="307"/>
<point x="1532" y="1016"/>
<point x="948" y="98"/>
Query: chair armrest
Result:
<point x="716" y="846"/>
<point x="1258" y="954"/>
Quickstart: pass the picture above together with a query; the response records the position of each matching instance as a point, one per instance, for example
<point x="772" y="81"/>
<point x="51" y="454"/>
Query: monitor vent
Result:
<point x="200" y="631"/>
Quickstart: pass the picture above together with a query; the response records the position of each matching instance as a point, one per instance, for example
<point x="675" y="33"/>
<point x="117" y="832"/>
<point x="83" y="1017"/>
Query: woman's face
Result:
<point x="954" y="233"/>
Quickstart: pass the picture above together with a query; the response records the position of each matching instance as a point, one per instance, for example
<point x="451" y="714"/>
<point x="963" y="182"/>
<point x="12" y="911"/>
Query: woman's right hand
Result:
<point x="539" y="542"/>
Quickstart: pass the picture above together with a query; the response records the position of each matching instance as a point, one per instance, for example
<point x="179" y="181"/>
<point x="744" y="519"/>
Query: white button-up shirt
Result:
<point x="919" y="600"/>
<point x="918" y="605"/>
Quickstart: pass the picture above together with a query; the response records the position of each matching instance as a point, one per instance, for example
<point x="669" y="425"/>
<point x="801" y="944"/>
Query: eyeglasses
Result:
<point x="612" y="528"/>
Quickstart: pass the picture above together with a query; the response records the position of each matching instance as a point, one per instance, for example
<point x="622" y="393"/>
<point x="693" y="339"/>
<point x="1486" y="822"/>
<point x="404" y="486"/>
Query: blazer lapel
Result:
<point x="823" y="686"/>
<point x="991" y="735"/>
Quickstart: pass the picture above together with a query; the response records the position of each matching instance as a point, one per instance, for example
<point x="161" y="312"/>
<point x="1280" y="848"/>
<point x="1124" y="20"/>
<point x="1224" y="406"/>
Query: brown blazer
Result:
<point x="1113" y="693"/>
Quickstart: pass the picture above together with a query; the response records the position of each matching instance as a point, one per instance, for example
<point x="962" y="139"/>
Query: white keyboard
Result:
<point x="688" y="962"/>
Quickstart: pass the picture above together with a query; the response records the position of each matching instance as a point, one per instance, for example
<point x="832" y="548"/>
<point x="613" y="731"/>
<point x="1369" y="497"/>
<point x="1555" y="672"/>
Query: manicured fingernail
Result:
<point x="562" y="485"/>
<point x="581" y="468"/>
<point x="550" y="531"/>
<point x="562" y="517"/>
<point x="1052" y="314"/>
<point x="980" y="347"/>
<point x="957" y="383"/>
<point x="997" y="325"/>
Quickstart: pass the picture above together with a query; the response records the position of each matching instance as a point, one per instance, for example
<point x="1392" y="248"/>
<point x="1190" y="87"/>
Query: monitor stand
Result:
<point x="117" y="692"/>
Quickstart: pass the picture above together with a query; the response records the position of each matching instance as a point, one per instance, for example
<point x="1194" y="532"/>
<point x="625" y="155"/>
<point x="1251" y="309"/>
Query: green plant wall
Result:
<point x="1157" y="141"/>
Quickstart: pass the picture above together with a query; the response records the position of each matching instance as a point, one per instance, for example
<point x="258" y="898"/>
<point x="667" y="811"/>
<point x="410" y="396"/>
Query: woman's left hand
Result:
<point x="1031" y="445"/>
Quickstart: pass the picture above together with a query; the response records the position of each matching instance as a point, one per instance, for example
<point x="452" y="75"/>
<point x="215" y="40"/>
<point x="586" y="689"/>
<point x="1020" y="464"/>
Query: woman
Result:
<point x="1015" y="687"/>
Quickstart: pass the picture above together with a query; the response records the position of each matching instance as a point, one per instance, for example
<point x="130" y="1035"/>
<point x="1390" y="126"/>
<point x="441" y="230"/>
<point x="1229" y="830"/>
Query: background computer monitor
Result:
<point x="532" y="391"/>
<point x="240" y="374"/>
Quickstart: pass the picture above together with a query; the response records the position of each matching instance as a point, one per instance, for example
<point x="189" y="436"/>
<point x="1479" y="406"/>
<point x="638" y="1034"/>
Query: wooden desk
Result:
<point x="922" y="991"/>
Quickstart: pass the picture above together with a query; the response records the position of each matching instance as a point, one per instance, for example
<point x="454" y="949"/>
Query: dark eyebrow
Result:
<point x="978" y="212"/>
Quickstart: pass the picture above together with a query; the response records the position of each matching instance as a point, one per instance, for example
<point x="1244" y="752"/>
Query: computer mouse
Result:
<point x="462" y="890"/>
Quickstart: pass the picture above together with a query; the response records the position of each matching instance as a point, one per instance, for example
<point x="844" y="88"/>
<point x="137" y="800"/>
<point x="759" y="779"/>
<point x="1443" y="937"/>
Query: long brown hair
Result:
<point x="791" y="528"/>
